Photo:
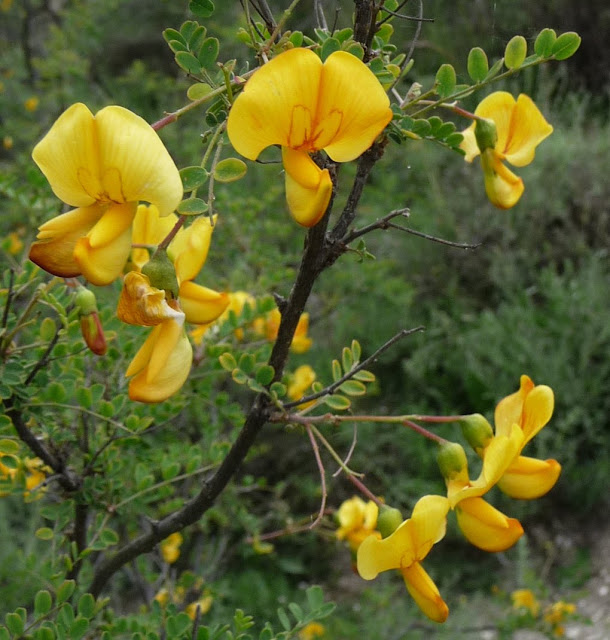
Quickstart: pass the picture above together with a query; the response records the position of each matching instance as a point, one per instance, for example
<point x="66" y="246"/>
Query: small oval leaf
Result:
<point x="193" y="177"/>
<point x="198" y="91"/>
<point x="188" y="62"/>
<point x="192" y="207"/>
<point x="230" y="170"/>
<point x="330" y="46"/>
<point x="445" y="80"/>
<point x="337" y="402"/>
<point x="566" y="45"/>
<point x="515" y="52"/>
<point x="209" y="53"/>
<point x="544" y="43"/>
<point x="478" y="65"/>
<point x="44" y="533"/>
<point x="353" y="388"/>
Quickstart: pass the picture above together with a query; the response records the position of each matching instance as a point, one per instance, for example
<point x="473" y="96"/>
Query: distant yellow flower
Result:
<point x="357" y="520"/>
<point x="302" y="379"/>
<point x="405" y="549"/>
<point x="520" y="128"/>
<point x="35" y="474"/>
<point x="170" y="547"/>
<point x="103" y="165"/>
<point x="237" y="301"/>
<point x="311" y="631"/>
<point x="162" y="597"/>
<point x="204" y="603"/>
<point x="7" y="142"/>
<point x="305" y="106"/>
<point x="16" y="243"/>
<point x="270" y="325"/>
<point x="556" y="614"/>
<point x="525" y="599"/>
<point x="31" y="104"/>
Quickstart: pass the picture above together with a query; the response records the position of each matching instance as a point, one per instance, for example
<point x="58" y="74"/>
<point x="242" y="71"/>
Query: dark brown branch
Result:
<point x="79" y="536"/>
<point x="364" y="24"/>
<point x="382" y="223"/>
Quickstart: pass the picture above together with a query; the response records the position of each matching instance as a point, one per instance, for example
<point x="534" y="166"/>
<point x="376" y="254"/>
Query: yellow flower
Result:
<point x="405" y="549"/>
<point x="270" y="326"/>
<point x="357" y="521"/>
<point x="35" y="474"/>
<point x="16" y="244"/>
<point x="531" y="408"/>
<point x="520" y="128"/>
<point x="482" y="524"/>
<point x="149" y="228"/>
<point x="556" y="614"/>
<point x="525" y="599"/>
<point x="163" y="363"/>
<point x="170" y="547"/>
<point x="204" y="605"/>
<point x="311" y="631"/>
<point x="302" y="379"/>
<point x="7" y="142"/>
<point x="304" y="105"/>
<point x="31" y="104"/>
<point x="103" y="165"/>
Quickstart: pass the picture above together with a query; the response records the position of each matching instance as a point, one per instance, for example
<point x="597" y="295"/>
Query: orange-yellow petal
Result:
<point x="200" y="304"/>
<point x="53" y="250"/>
<point x="103" y="252"/>
<point x="502" y="186"/>
<point x="68" y="157"/>
<point x="148" y="228"/>
<point x="134" y="163"/>
<point x="308" y="188"/>
<point x="277" y="105"/>
<point x="528" y="128"/>
<point x="510" y="409"/>
<point x="142" y="304"/>
<point x="189" y="248"/>
<point x="486" y="527"/>
<point x="537" y="410"/>
<point x="498" y="106"/>
<point x="353" y="109"/>
<point x="425" y="593"/>
<point x="530" y="478"/>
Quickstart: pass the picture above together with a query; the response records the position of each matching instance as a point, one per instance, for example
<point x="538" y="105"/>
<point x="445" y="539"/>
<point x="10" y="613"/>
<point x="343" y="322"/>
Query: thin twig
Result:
<point x="421" y="234"/>
<point x="9" y="298"/>
<point x="320" y="17"/>
<point x="365" y="490"/>
<point x="350" y="374"/>
<point x="382" y="223"/>
<point x="348" y="457"/>
<point x="316" y="453"/>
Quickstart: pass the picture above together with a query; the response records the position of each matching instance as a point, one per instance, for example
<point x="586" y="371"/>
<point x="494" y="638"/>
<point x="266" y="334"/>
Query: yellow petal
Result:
<point x="537" y="410"/>
<point x="502" y="186"/>
<point x="142" y="304"/>
<point x="189" y="249"/>
<point x="498" y="106"/>
<point x="200" y="304"/>
<point x="425" y="593"/>
<point x="277" y="105"/>
<point x="429" y="521"/>
<point x="302" y="379"/>
<point x="510" y="409"/>
<point x="486" y="527"/>
<point x="353" y="109"/>
<point x="134" y="162"/>
<point x="103" y="252"/>
<point x="149" y="228"/>
<point x="529" y="478"/>
<point x="528" y="129"/>
<point x="469" y="143"/>
<point x="308" y="188"/>
<point x="68" y="149"/>
<point x="162" y="365"/>
<point x="54" y="249"/>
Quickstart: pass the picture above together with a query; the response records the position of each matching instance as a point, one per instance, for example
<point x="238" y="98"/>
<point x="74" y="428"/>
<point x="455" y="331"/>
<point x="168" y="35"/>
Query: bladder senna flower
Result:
<point x="531" y="408"/>
<point x="163" y="362"/>
<point x="405" y="549"/>
<point x="304" y="105"/>
<point x="481" y="523"/>
<point x="103" y="165"/>
<point x="357" y="520"/>
<point x="519" y="129"/>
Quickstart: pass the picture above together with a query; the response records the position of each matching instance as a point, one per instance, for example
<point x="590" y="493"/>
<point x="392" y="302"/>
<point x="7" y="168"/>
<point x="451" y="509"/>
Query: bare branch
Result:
<point x="316" y="453"/>
<point x="420" y="234"/>
<point x="379" y="224"/>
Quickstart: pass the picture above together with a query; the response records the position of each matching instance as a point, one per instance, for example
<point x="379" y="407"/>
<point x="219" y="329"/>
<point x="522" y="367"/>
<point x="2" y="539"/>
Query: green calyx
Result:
<point x="452" y="460"/>
<point x="485" y="134"/>
<point x="85" y="301"/>
<point x="161" y="272"/>
<point x="477" y="431"/>
<point x="388" y="521"/>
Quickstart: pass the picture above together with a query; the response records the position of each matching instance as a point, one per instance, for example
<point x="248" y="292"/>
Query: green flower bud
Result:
<point x="485" y="134"/>
<point x="161" y="272"/>
<point x="452" y="460"/>
<point x="85" y="301"/>
<point x="477" y="431"/>
<point x="388" y="520"/>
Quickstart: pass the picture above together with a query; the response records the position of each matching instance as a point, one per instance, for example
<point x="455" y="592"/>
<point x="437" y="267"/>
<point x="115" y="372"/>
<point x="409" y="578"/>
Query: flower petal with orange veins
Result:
<point x="502" y="186"/>
<point x="53" y="250"/>
<point x="162" y="364"/>
<point x="142" y="304"/>
<point x="485" y="527"/>
<point x="103" y="252"/>
<point x="425" y="593"/>
<point x="308" y="188"/>
<point x="189" y="248"/>
<point x="134" y="163"/>
<point x="353" y="109"/>
<point x="528" y="128"/>
<point x="200" y="304"/>
<point x="277" y="105"/>
<point x="68" y="157"/>
<point x="530" y="478"/>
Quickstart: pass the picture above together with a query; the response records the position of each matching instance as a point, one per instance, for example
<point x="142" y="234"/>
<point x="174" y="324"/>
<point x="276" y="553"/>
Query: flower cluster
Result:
<point x="27" y="474"/>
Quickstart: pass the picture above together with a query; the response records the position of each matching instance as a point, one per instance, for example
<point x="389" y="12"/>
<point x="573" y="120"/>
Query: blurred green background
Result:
<point x="533" y="298"/>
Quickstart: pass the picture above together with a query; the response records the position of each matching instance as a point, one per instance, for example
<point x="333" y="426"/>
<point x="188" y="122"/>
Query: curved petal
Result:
<point x="308" y="188"/>
<point x="509" y="410"/>
<point x="68" y="157"/>
<point x="502" y="186"/>
<point x="353" y="109"/>
<point x="103" y="252"/>
<point x="528" y="129"/>
<point x="425" y="593"/>
<point x="429" y="522"/>
<point x="277" y="105"/>
<point x="162" y="365"/>
<point x="53" y="250"/>
<point x="537" y="410"/>
<point x="498" y="106"/>
<point x="301" y="343"/>
<point x="529" y="478"/>
<point x="200" y="304"/>
<point x="142" y="304"/>
<point x="149" y="228"/>
<point x="469" y="143"/>
<point x="485" y="527"/>
<point x="393" y="552"/>
<point x="350" y="514"/>
<point x="134" y="163"/>
<point x="189" y="249"/>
